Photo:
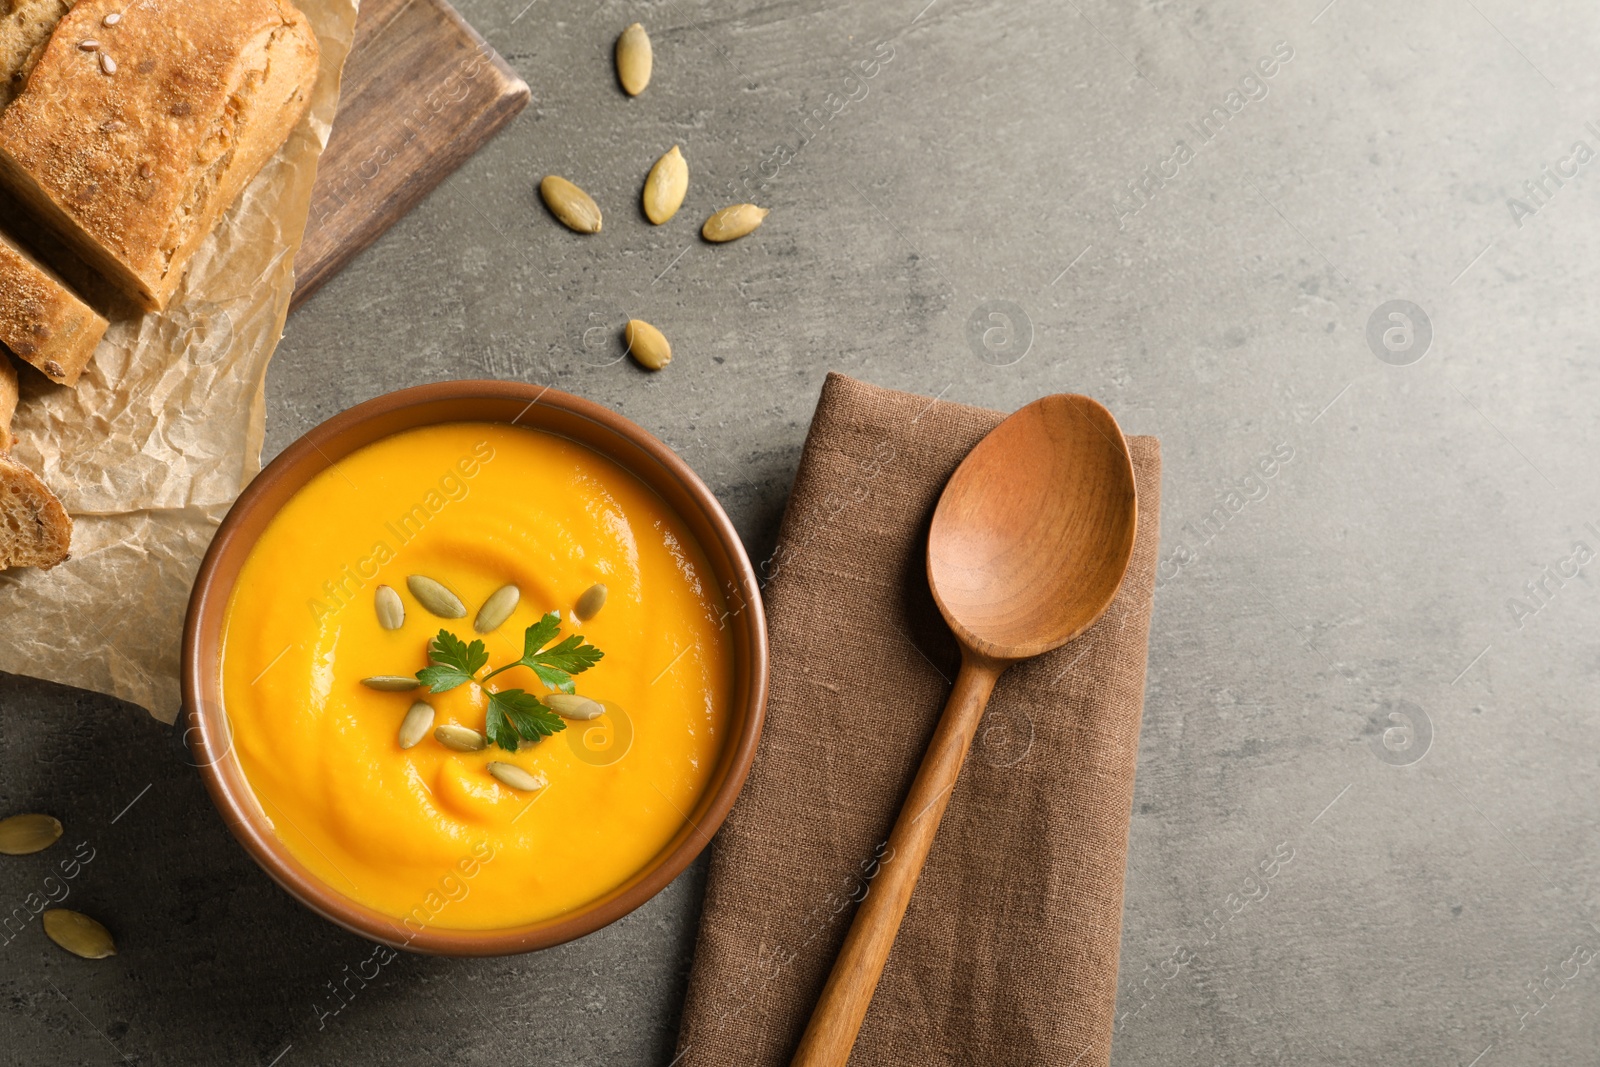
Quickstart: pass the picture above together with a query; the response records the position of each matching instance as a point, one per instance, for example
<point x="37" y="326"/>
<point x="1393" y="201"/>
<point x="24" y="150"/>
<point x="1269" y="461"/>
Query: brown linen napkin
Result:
<point x="1008" y="954"/>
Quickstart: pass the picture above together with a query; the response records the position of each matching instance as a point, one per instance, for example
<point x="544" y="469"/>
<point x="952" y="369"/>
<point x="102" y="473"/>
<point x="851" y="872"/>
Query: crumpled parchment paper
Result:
<point x="162" y="432"/>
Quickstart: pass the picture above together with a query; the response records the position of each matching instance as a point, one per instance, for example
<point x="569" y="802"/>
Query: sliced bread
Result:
<point x="25" y="25"/>
<point x="132" y="149"/>
<point x="8" y="401"/>
<point x="35" y="530"/>
<point x="43" y="321"/>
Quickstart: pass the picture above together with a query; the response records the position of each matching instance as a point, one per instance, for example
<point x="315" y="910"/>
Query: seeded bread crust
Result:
<point x="8" y="401"/>
<point x="132" y="151"/>
<point x="35" y="530"/>
<point x="43" y="321"/>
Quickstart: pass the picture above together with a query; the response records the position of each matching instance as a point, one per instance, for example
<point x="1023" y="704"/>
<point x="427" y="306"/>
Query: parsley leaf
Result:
<point x="454" y="662"/>
<point x="540" y="634"/>
<point x="560" y="681"/>
<point x="572" y="655"/>
<point x="555" y="666"/>
<point x="515" y="716"/>
<point x="497" y="729"/>
<point x="524" y="716"/>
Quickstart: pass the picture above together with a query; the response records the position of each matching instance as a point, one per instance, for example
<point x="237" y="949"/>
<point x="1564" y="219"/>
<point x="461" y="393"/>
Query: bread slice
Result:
<point x="43" y="321"/>
<point x="132" y="150"/>
<point x="25" y="25"/>
<point x="35" y="530"/>
<point x="8" y="401"/>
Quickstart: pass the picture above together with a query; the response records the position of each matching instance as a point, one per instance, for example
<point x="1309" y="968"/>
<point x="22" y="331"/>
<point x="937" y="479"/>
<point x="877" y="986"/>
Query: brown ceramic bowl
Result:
<point x="605" y="432"/>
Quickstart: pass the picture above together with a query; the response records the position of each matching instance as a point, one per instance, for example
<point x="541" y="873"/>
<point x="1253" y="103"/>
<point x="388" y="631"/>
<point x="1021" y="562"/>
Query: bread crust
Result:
<point x="43" y="321"/>
<point x="35" y="530"/>
<point x="133" y="167"/>
<point x="8" y="401"/>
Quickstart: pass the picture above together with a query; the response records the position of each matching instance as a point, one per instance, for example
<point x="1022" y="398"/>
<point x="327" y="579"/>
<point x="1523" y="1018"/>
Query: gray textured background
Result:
<point x="1338" y="670"/>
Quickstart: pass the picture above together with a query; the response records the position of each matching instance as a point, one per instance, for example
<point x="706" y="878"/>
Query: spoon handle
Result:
<point x="837" y="1018"/>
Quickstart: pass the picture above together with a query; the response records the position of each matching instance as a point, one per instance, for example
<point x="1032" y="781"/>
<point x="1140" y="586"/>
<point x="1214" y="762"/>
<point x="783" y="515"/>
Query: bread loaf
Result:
<point x="132" y="149"/>
<point x="35" y="530"/>
<point x="43" y="321"/>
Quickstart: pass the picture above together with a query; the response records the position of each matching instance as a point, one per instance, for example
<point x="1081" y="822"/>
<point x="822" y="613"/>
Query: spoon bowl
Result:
<point x="1029" y="544"/>
<point x="1033" y="534"/>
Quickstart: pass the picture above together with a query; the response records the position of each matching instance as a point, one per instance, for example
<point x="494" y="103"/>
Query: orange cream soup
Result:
<point x="474" y="505"/>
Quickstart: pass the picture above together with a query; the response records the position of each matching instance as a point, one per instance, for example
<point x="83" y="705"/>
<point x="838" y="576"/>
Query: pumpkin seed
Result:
<point x="497" y="609"/>
<point x="635" y="58"/>
<point x="79" y="934"/>
<point x="517" y="778"/>
<point x="460" y="738"/>
<point x="647" y="345"/>
<point x="575" y="208"/>
<point x="434" y="596"/>
<point x="732" y="223"/>
<point x="391" y="609"/>
<point x="414" y="727"/>
<point x="590" y="603"/>
<point x="666" y="187"/>
<point x="570" y="706"/>
<point x="391" y="683"/>
<point x="23" y="835"/>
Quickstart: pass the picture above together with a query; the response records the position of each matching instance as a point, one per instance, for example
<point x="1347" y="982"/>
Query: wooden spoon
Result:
<point x="1029" y="545"/>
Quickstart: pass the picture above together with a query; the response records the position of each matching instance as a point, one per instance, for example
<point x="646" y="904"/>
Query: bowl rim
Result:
<point x="205" y="720"/>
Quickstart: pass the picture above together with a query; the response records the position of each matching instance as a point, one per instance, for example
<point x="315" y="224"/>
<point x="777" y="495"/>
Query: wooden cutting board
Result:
<point x="422" y="92"/>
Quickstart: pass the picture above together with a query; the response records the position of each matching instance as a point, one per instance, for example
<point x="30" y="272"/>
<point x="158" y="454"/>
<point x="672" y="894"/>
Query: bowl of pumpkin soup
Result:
<point x="475" y="668"/>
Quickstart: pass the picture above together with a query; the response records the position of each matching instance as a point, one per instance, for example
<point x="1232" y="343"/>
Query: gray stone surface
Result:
<point x="1302" y="887"/>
